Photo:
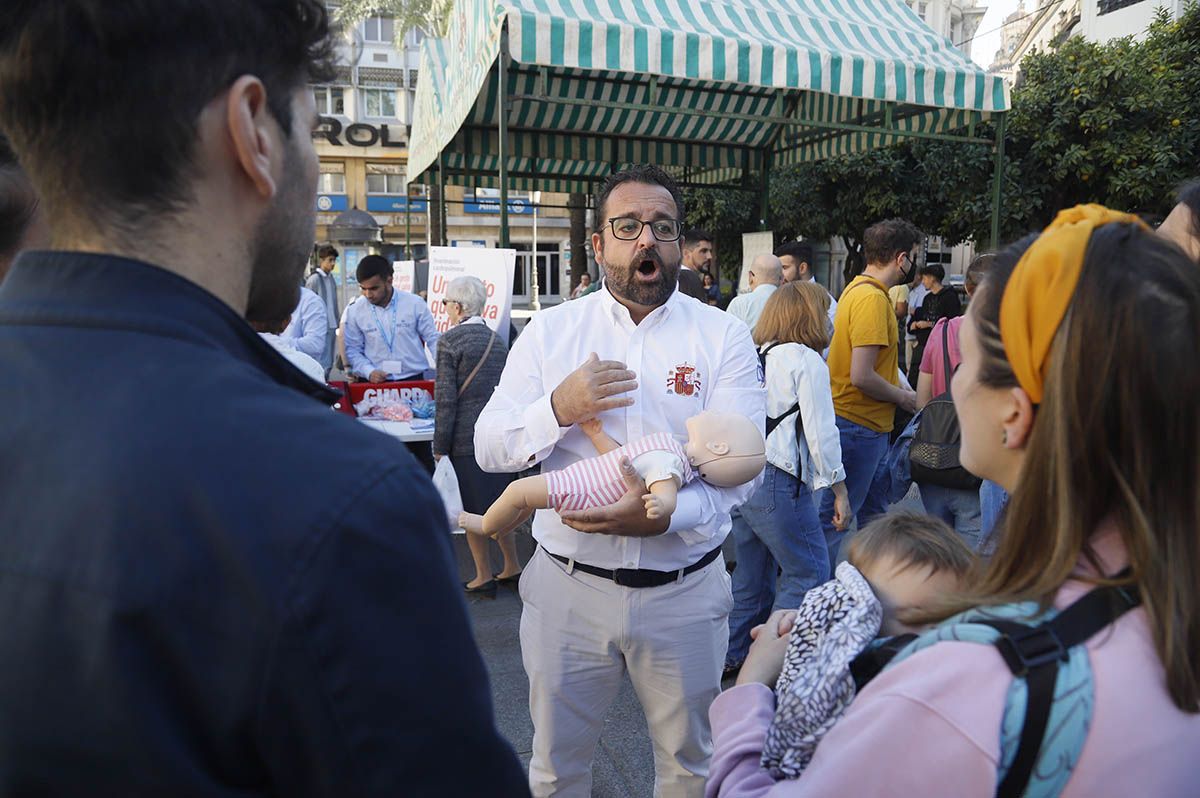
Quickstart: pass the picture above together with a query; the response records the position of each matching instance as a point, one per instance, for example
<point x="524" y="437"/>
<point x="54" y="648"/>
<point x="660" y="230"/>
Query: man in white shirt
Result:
<point x="766" y="274"/>
<point x="322" y="283"/>
<point x="386" y="336"/>
<point x="610" y="591"/>
<point x="308" y="330"/>
<point x="797" y="257"/>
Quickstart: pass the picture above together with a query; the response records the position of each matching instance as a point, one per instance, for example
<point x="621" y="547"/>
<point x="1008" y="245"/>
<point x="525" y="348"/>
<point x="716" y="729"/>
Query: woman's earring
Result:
<point x="1004" y="437"/>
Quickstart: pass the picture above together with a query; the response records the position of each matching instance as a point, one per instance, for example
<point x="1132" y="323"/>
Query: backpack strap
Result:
<point x="1034" y="654"/>
<point x="773" y="421"/>
<point x="946" y="352"/>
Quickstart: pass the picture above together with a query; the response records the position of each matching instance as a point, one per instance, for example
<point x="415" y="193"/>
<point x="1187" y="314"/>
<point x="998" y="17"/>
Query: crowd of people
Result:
<point x="214" y="585"/>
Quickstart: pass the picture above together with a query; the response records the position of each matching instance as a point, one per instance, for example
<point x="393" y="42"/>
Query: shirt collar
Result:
<point x="79" y="289"/>
<point x="618" y="312"/>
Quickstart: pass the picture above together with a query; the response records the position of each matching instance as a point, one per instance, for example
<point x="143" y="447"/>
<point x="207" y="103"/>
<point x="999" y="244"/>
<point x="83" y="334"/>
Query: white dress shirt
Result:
<point x="392" y="338"/>
<point x="518" y="428"/>
<point x="832" y="304"/>
<point x="297" y="358"/>
<point x="797" y="374"/>
<point x="309" y="325"/>
<point x="748" y="307"/>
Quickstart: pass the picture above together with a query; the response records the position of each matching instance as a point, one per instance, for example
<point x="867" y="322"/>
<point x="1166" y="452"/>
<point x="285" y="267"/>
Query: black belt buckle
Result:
<point x="629" y="577"/>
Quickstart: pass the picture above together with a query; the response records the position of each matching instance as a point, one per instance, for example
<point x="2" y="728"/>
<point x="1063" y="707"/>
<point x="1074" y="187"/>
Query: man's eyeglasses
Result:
<point x="626" y="228"/>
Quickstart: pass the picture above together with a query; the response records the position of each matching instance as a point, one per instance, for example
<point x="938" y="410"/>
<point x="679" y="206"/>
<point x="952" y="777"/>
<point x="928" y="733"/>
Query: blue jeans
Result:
<point x="864" y="456"/>
<point x="958" y="508"/>
<point x="777" y="528"/>
<point x="992" y="501"/>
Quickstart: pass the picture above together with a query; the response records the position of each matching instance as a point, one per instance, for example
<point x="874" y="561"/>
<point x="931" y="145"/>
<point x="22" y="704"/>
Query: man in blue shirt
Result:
<point x="386" y="336"/>
<point x="309" y="327"/>
<point x="186" y="610"/>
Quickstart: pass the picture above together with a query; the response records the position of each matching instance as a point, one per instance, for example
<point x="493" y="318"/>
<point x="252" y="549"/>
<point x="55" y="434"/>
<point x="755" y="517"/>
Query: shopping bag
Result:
<point x="446" y="482"/>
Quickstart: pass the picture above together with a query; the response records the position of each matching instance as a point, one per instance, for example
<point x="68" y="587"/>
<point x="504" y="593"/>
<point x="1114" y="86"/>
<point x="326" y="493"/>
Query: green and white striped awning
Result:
<point x="716" y="92"/>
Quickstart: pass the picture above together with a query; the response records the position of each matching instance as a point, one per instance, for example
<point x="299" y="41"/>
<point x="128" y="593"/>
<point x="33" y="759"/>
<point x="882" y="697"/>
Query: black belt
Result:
<point x="638" y="577"/>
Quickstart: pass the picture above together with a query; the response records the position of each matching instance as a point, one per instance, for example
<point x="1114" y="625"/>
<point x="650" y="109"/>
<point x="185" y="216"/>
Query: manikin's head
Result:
<point x="725" y="449"/>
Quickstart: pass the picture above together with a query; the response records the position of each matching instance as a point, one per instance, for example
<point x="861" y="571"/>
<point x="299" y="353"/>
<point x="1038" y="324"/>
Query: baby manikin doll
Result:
<point x="723" y="449"/>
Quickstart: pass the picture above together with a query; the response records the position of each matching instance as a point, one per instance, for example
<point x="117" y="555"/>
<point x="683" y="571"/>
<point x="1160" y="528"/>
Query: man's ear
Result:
<point x="253" y="131"/>
<point x="598" y="247"/>
<point x="1018" y="421"/>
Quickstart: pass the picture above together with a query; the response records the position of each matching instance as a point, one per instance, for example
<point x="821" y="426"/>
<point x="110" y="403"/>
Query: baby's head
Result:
<point x="913" y="561"/>
<point x="725" y="449"/>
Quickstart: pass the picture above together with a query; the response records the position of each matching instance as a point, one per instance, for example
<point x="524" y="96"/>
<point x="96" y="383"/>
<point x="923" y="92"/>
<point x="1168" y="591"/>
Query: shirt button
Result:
<point x="629" y="563"/>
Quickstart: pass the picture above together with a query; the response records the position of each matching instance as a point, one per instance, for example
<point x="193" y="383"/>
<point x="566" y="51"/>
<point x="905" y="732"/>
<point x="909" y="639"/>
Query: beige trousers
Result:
<point x="580" y="634"/>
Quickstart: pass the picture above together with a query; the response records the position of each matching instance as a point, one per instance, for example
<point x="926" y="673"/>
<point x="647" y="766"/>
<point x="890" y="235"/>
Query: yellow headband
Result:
<point x="1040" y="290"/>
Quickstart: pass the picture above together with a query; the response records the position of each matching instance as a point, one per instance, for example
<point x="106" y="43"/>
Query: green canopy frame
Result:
<point x="557" y="94"/>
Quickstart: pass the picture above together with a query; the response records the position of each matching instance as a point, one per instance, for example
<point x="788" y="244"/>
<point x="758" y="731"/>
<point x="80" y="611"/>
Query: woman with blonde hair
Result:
<point x="1083" y="406"/>
<point x="779" y="529"/>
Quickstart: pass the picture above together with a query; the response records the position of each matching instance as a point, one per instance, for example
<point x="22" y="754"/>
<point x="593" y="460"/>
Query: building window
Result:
<point x="379" y="103"/>
<point x="330" y="100"/>
<point x="1105" y="6"/>
<point x="330" y="183"/>
<point x="922" y="10"/>
<point x="385" y="184"/>
<point x="412" y="78"/>
<point x="379" y="29"/>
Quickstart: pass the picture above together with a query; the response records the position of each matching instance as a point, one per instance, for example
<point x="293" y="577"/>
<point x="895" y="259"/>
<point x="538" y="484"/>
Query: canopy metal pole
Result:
<point x="442" y="199"/>
<point x="765" y="189"/>
<point x="407" y="222"/>
<point x="502" y="112"/>
<point x="998" y="180"/>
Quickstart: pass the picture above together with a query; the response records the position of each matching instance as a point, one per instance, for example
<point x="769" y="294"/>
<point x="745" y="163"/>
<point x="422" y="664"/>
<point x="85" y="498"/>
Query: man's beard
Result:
<point x="625" y="283"/>
<point x="281" y="246"/>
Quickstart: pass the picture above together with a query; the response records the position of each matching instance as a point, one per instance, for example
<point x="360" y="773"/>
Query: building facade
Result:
<point x="362" y="144"/>
<point x="956" y="20"/>
<point x="1047" y="26"/>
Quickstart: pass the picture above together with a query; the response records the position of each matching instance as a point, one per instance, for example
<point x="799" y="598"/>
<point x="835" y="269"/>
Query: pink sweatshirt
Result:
<point x="931" y="725"/>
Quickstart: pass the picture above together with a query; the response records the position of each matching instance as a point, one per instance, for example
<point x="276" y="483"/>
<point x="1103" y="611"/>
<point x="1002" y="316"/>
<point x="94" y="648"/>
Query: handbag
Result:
<point x="933" y="455"/>
<point x="478" y="365"/>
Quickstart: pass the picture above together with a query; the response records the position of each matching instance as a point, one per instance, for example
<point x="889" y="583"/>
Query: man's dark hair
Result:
<point x="1189" y="195"/>
<point x="327" y="251"/>
<point x="692" y="237"/>
<point x="18" y="201"/>
<point x="801" y="251"/>
<point x="125" y="150"/>
<point x="373" y="266"/>
<point x="934" y="270"/>
<point x="883" y="241"/>
<point x="638" y="173"/>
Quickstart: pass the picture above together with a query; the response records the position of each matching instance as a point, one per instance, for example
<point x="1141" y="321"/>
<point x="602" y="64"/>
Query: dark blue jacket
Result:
<point x="210" y="583"/>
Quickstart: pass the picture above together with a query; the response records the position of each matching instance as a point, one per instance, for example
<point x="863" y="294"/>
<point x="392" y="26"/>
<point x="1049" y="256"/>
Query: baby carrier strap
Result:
<point x="1037" y="650"/>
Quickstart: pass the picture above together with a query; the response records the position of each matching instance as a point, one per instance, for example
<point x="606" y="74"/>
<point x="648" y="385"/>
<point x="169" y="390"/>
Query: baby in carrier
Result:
<point x="897" y="566"/>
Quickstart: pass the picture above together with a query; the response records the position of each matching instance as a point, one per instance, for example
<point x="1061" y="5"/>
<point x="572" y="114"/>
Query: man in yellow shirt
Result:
<point x="864" y="372"/>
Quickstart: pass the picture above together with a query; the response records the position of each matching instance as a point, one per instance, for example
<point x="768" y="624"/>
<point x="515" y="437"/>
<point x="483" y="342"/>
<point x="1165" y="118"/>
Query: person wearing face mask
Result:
<point x="609" y="591"/>
<point x="1103" y="505"/>
<point x="864" y="373"/>
<point x="1182" y="225"/>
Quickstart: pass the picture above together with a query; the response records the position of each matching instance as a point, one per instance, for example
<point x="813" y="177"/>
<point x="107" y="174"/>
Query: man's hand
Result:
<point x="908" y="401"/>
<point x="765" y="661"/>
<point x="378" y="376"/>
<point x="841" y="507"/>
<point x="591" y="389"/>
<point x="626" y="518"/>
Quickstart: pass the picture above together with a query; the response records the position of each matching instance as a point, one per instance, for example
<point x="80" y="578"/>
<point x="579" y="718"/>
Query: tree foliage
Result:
<point x="1115" y="123"/>
<point x="725" y="214"/>
<point x="428" y="16"/>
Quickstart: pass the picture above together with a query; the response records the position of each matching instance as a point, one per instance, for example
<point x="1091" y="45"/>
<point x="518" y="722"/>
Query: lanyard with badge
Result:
<point x="388" y="340"/>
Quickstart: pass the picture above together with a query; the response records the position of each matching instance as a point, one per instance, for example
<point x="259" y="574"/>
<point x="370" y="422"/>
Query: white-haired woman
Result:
<point x="470" y="360"/>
